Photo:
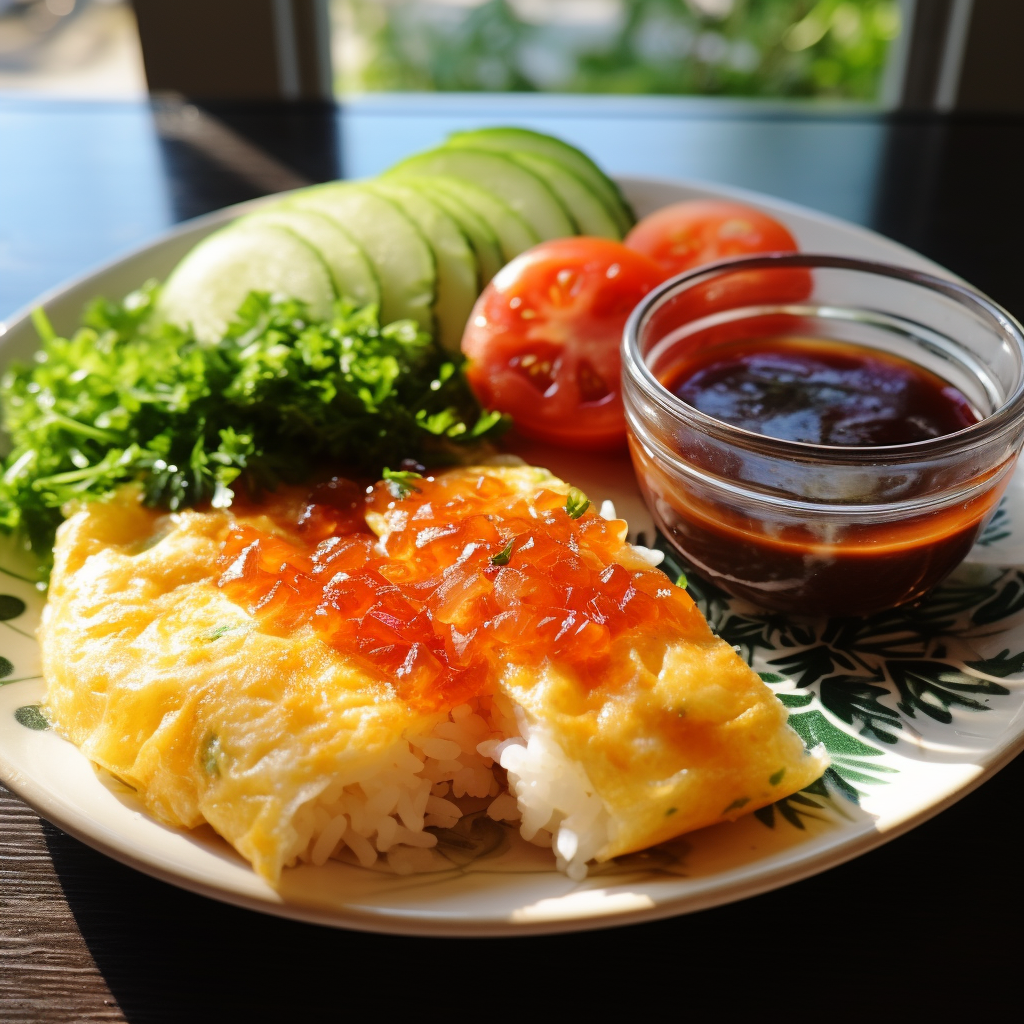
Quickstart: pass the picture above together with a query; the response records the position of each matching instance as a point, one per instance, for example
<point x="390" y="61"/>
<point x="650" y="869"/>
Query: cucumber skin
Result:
<point x="282" y="213"/>
<point x="408" y="282"/>
<point x="528" y="194"/>
<point x="480" y="233"/>
<point x="510" y="139"/>
<point x="589" y="212"/>
<point x="458" y="282"/>
<point x="513" y="233"/>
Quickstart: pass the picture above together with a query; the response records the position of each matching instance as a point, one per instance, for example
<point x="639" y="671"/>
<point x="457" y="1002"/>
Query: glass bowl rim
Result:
<point x="1009" y="414"/>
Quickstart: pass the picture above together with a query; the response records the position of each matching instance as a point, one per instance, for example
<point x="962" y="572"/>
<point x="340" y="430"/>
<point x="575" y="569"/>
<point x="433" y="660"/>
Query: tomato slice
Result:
<point x="685" y="235"/>
<point x="543" y="339"/>
<point x="689" y="234"/>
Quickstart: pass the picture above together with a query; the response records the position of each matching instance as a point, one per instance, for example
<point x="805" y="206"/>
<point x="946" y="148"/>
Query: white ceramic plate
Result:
<point x="916" y="708"/>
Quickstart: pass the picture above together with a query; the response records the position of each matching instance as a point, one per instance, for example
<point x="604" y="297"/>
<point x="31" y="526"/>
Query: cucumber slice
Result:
<point x="399" y="253"/>
<point x="522" y="140"/>
<point x="528" y="195"/>
<point x="483" y="240"/>
<point x="457" y="281"/>
<point x="513" y="233"/>
<point x="350" y="269"/>
<point x="591" y="215"/>
<point x="211" y="282"/>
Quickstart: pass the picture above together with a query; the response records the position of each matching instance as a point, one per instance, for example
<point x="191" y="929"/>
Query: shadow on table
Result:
<point x="920" y="921"/>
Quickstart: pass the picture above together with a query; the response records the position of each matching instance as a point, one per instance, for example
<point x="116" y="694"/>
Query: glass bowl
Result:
<point x="812" y="528"/>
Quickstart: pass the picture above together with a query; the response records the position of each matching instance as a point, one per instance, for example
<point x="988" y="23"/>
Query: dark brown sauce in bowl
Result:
<point x="819" y="391"/>
<point x="825" y="392"/>
<point x="808" y="472"/>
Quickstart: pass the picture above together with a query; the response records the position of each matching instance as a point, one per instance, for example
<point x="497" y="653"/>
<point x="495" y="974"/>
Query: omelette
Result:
<point x="337" y="671"/>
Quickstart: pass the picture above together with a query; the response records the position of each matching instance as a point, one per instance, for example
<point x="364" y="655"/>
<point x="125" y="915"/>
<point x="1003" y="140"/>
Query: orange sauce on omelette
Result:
<point x="474" y="576"/>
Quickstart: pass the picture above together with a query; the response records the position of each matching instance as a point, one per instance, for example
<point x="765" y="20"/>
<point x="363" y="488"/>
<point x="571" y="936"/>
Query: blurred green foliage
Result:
<point x="786" y="48"/>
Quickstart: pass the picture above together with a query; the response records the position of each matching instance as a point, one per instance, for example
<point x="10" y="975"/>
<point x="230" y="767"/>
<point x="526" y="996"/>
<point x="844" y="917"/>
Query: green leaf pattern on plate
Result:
<point x="12" y="607"/>
<point x="850" y="681"/>
<point x="31" y="716"/>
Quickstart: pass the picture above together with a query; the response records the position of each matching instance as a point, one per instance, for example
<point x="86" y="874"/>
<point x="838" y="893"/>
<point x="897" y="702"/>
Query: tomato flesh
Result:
<point x="687" y="235"/>
<point x="434" y="614"/>
<point x="543" y="339"/>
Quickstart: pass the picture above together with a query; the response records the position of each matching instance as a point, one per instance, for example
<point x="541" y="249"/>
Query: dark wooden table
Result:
<point x="928" y="922"/>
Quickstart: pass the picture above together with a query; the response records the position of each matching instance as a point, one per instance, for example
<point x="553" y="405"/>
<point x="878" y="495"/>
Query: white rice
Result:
<point x="413" y="787"/>
<point x="419" y="784"/>
<point x="553" y="797"/>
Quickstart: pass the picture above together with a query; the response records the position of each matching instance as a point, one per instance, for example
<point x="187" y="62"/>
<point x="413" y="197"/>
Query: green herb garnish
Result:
<point x="210" y="755"/>
<point x="737" y="804"/>
<point x="400" y="481"/>
<point x="503" y="556"/>
<point x="129" y="398"/>
<point x="576" y="503"/>
<point x="681" y="581"/>
<point x="219" y="631"/>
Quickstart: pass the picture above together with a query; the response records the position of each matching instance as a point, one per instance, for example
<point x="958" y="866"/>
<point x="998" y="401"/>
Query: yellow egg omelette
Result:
<point x="340" y="672"/>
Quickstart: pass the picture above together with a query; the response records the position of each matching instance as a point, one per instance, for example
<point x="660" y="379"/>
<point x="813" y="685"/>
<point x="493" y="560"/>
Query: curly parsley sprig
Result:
<point x="131" y="398"/>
